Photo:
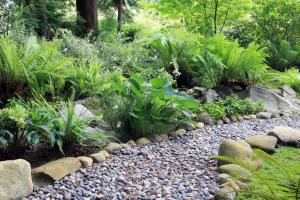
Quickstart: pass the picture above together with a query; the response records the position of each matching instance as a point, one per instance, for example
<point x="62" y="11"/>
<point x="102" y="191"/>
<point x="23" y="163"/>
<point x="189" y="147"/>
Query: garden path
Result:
<point x="173" y="169"/>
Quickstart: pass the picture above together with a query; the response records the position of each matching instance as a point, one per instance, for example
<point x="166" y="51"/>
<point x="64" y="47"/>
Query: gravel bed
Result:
<point x="173" y="169"/>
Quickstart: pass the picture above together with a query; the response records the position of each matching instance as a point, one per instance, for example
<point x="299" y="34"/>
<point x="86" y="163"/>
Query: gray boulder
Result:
<point x="15" y="179"/>
<point x="286" y="135"/>
<point x="263" y="142"/>
<point x="273" y="102"/>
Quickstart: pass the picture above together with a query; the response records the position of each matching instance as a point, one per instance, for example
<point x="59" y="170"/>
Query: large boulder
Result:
<point x="286" y="135"/>
<point x="55" y="170"/>
<point x="263" y="142"/>
<point x="15" y="179"/>
<point x="273" y="102"/>
<point x="231" y="148"/>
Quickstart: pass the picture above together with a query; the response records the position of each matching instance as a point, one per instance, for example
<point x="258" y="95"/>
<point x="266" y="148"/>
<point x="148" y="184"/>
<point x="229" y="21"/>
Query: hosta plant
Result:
<point x="146" y="108"/>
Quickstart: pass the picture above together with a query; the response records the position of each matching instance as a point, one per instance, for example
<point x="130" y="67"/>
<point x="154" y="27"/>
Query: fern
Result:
<point x="32" y="66"/>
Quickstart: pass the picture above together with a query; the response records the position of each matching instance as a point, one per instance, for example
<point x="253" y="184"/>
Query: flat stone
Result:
<point x="55" y="170"/>
<point x="15" y="179"/>
<point x="263" y="142"/>
<point x="231" y="184"/>
<point x="143" y="141"/>
<point x="286" y="135"/>
<point x="100" y="156"/>
<point x="85" y="161"/>
<point x="235" y="170"/>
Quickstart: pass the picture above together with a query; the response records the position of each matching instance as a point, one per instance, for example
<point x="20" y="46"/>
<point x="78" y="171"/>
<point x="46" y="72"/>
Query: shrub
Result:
<point x="15" y="130"/>
<point x="214" y="110"/>
<point x="64" y="127"/>
<point x="235" y="106"/>
<point x="146" y="108"/>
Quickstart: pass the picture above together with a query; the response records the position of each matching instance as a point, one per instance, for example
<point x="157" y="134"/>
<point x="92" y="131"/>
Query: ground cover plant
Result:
<point x="279" y="178"/>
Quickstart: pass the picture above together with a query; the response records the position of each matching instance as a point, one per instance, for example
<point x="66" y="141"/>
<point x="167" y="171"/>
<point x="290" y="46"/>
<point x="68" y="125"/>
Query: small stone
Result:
<point x="85" y="161"/>
<point x="206" y="119"/>
<point x="240" y="118"/>
<point x="220" y="122"/>
<point x="252" y="116"/>
<point x="98" y="157"/>
<point x="226" y="120"/>
<point x="131" y="143"/>
<point x="226" y="193"/>
<point x="264" y="115"/>
<point x="233" y="118"/>
<point x="223" y="178"/>
<point x="143" y="141"/>
<point x="178" y="133"/>
<point x="113" y="146"/>
<point x="200" y="125"/>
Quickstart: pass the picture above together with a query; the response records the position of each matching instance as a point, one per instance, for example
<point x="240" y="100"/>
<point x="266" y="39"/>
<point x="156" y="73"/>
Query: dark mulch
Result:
<point x="42" y="153"/>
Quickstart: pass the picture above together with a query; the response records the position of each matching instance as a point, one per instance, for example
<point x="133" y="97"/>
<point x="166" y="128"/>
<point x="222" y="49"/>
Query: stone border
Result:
<point x="242" y="150"/>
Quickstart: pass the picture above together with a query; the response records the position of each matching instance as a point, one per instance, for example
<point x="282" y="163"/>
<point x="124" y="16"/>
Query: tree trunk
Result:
<point x="120" y="17"/>
<point x="216" y="15"/>
<point x="87" y="12"/>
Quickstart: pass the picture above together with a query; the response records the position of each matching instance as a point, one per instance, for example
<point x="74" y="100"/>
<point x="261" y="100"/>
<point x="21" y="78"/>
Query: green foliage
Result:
<point x="15" y="130"/>
<point x="290" y="77"/>
<point x="283" y="56"/>
<point x="206" y="17"/>
<point x="245" y="65"/>
<point x="209" y="61"/>
<point x="278" y="179"/>
<point x="236" y="106"/>
<point x="215" y="110"/>
<point x="147" y="108"/>
<point x="31" y="66"/>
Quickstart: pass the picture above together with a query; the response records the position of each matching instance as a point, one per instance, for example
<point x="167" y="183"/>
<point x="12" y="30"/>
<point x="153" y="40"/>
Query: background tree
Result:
<point x="87" y="16"/>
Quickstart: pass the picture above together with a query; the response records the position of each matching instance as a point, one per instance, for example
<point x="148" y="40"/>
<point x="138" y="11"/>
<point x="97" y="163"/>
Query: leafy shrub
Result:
<point x="15" y="130"/>
<point x="235" y="106"/>
<point x="146" y="108"/>
<point x="64" y="127"/>
<point x="214" y="110"/>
